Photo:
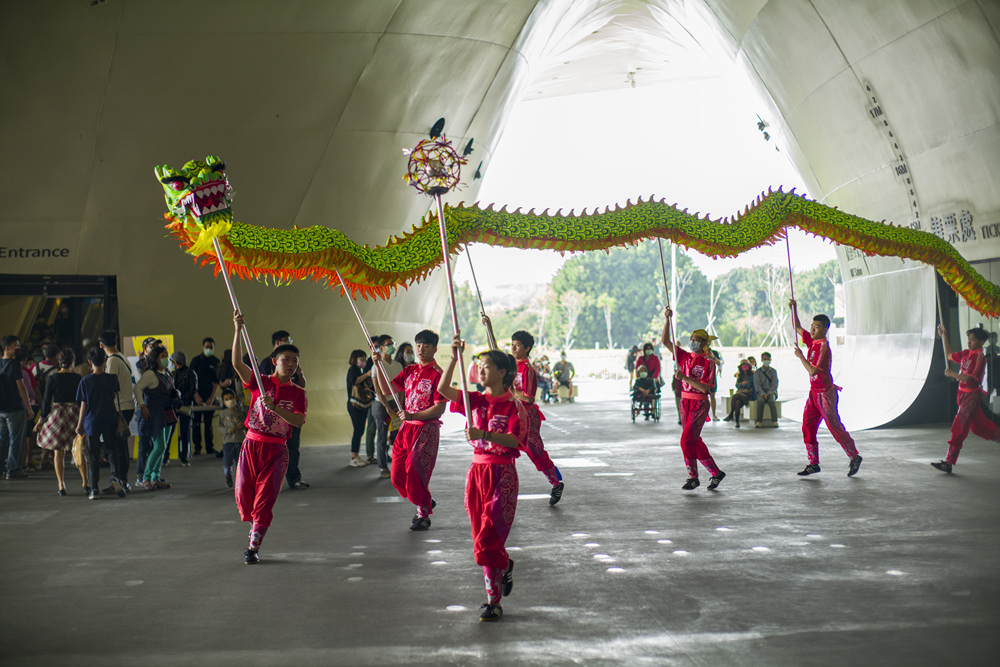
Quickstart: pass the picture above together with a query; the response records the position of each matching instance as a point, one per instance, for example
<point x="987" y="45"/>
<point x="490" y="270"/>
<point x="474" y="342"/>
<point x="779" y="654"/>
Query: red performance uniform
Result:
<point x="652" y="364"/>
<point x="415" y="449"/>
<point x="264" y="455"/>
<point x="491" y="483"/>
<point x="694" y="411"/>
<point x="970" y="410"/>
<point x="526" y="382"/>
<point x="821" y="403"/>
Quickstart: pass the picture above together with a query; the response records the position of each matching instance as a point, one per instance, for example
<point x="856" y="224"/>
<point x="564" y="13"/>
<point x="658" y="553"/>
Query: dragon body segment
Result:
<point x="317" y="252"/>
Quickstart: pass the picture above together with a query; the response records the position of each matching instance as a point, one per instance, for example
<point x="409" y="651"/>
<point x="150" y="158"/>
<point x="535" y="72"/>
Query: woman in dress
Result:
<point x="57" y="418"/>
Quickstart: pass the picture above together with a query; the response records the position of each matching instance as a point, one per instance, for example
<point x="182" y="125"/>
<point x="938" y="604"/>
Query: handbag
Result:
<point x="78" y="457"/>
<point x="122" y="430"/>
<point x="170" y="417"/>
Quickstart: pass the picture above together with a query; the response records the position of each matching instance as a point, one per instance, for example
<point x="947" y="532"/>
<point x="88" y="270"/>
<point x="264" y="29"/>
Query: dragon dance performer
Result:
<point x="491" y="484"/>
<point x="972" y="366"/>
<point x="264" y="454"/>
<point x="524" y="389"/>
<point x="414" y="452"/>
<point x="696" y="370"/>
<point x="821" y="405"/>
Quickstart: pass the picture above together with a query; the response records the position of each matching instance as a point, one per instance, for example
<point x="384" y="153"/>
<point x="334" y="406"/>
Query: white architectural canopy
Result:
<point x="889" y="109"/>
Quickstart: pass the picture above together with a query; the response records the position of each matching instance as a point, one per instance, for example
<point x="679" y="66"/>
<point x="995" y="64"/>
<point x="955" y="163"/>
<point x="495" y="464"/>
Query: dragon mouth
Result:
<point x="210" y="197"/>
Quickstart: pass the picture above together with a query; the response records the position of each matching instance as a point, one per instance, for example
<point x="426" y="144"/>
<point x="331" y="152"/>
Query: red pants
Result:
<point x="822" y="406"/>
<point x="533" y="445"/>
<point x="490" y="501"/>
<point x="414" y="453"/>
<point x="259" y="474"/>
<point x="694" y="414"/>
<point x="970" y="416"/>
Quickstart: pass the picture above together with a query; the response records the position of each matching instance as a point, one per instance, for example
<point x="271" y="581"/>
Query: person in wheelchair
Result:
<point x="644" y="393"/>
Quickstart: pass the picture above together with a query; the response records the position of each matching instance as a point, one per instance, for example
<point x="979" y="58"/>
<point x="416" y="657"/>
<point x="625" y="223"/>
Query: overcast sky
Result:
<point x="694" y="143"/>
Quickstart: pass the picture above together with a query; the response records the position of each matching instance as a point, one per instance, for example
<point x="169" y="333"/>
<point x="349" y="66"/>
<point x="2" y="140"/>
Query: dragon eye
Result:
<point x="178" y="185"/>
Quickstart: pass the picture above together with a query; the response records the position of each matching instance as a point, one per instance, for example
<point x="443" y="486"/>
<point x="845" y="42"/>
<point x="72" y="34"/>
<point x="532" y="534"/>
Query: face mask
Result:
<point x="409" y="358"/>
<point x="642" y="375"/>
<point x="766" y="362"/>
<point x="164" y="363"/>
<point x="209" y="351"/>
<point x="647" y="353"/>
<point x="230" y="403"/>
<point x="695" y="346"/>
<point x="390" y="349"/>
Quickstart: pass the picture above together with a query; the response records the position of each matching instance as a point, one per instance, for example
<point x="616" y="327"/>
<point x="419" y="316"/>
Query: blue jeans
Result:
<point x="12" y="426"/>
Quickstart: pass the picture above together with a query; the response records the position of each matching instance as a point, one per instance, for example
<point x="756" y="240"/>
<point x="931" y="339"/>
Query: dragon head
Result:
<point x="199" y="193"/>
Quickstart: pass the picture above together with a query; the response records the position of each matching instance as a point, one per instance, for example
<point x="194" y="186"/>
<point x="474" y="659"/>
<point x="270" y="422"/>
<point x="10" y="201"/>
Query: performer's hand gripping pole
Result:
<point x="666" y="293"/>
<point x="243" y="330"/>
<point x="375" y="360"/>
<point x="454" y="308"/>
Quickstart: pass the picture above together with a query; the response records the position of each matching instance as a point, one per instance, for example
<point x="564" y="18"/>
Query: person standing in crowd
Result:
<point x="765" y="382"/>
<point x="231" y="424"/>
<point x="821" y="404"/>
<point x="266" y="367"/>
<point x="206" y="368"/>
<point x="743" y="393"/>
<point x="650" y="361"/>
<point x="383" y="414"/>
<point x="405" y="356"/>
<point x="371" y="428"/>
<point x="59" y="413"/>
<point x="98" y="420"/>
<point x="15" y="407"/>
<point x="697" y="374"/>
<point x="415" y="451"/>
<point x="274" y="409"/>
<point x="630" y="358"/>
<point x="496" y="431"/>
<point x="359" y="402"/>
<point x="147" y="347"/>
<point x="155" y="395"/>
<point x="186" y="384"/>
<point x="544" y="379"/>
<point x="118" y="366"/>
<point x="970" y="416"/>
<point x="227" y="376"/>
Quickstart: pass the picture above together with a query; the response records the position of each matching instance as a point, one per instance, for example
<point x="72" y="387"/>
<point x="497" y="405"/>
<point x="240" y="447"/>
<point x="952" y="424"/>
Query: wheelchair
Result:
<point x="648" y="407"/>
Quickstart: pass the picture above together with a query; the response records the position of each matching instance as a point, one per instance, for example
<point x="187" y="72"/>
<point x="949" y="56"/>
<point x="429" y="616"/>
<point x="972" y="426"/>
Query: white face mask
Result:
<point x="766" y="362"/>
<point x="694" y="346"/>
<point x="409" y="358"/>
<point x="230" y="403"/>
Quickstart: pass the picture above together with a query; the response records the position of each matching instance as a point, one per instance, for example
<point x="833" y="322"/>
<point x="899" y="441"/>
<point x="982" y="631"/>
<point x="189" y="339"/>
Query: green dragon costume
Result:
<point x="199" y="200"/>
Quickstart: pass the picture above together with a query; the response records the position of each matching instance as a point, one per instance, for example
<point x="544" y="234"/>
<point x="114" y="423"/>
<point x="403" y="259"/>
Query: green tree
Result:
<point x="814" y="290"/>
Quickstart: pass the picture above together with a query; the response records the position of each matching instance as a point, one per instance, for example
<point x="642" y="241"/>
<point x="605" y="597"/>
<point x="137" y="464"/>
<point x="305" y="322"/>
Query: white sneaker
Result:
<point x="358" y="462"/>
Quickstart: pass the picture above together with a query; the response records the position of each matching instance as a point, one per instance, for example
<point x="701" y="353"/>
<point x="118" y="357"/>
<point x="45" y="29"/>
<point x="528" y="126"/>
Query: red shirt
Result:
<point x="526" y="382"/>
<point x="419" y="384"/>
<point x="652" y="364"/>
<point x="272" y="428"/>
<point x="698" y="366"/>
<point x="819" y="356"/>
<point x="972" y="362"/>
<point x="499" y="414"/>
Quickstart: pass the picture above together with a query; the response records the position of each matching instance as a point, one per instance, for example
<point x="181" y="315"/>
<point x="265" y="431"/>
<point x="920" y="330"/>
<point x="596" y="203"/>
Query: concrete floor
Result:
<point x="898" y="565"/>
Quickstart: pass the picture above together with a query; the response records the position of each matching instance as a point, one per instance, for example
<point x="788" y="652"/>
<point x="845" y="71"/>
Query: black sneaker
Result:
<point x="229" y="481"/>
<point x="300" y="485"/>
<point x="556" y="493"/>
<point x="250" y="557"/>
<point x="713" y="483"/>
<point x="810" y="469"/>
<point x="117" y="487"/>
<point x="95" y="494"/>
<point x="943" y="466"/>
<point x="692" y="483"/>
<point x="490" y="612"/>
<point x="416" y="517"/>
<point x="420" y="524"/>
<point x="855" y="466"/>
<point x="507" y="583"/>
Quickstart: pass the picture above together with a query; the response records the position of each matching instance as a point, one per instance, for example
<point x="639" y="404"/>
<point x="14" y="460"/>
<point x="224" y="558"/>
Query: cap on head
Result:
<point x="179" y="357"/>
<point x="149" y="341"/>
